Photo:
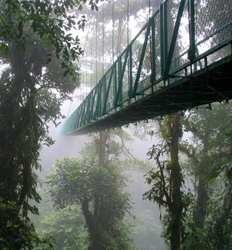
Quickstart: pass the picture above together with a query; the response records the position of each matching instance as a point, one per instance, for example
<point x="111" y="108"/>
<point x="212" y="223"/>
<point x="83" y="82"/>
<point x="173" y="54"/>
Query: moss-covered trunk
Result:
<point x="176" y="206"/>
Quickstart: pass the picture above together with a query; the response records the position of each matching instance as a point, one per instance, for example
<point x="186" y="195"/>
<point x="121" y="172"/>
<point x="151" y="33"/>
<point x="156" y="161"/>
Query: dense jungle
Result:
<point x="161" y="183"/>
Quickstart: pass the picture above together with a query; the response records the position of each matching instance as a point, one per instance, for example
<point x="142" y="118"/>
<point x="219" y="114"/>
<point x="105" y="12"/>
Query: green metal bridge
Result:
<point x="180" y="59"/>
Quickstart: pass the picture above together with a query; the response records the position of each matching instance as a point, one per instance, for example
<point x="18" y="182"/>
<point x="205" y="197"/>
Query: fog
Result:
<point x="144" y="215"/>
<point x="70" y="67"/>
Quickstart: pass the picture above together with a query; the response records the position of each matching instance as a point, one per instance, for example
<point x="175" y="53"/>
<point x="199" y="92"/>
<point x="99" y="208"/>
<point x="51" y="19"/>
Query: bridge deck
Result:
<point x="164" y="73"/>
<point x="204" y="87"/>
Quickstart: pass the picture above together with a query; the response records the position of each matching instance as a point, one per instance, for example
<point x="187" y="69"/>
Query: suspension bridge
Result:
<point x="180" y="59"/>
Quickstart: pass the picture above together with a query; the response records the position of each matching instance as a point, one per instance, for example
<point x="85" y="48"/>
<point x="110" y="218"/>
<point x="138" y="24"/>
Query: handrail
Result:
<point x="162" y="41"/>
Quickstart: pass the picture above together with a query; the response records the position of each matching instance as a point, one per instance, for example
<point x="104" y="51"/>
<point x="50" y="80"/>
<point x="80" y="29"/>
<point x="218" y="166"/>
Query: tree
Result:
<point x="167" y="179"/>
<point x="98" y="190"/>
<point x="65" y="228"/>
<point x="221" y="229"/>
<point x="39" y="51"/>
<point x="208" y="152"/>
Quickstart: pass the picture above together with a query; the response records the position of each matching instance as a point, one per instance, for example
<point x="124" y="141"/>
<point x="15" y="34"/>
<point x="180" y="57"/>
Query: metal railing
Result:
<point x="174" y="43"/>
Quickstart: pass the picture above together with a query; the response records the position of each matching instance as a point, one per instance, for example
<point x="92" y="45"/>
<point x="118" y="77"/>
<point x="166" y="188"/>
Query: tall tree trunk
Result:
<point x="92" y="226"/>
<point x="201" y="204"/>
<point x="92" y="217"/>
<point x="202" y="186"/>
<point x="176" y="209"/>
<point x="102" y="148"/>
<point x="224" y="218"/>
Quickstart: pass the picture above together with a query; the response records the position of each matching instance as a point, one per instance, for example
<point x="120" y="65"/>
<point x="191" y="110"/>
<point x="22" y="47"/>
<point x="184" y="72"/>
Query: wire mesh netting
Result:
<point x="213" y="23"/>
<point x="121" y="64"/>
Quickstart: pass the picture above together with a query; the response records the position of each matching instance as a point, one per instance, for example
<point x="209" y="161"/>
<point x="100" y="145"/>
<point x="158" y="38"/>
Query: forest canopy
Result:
<point x="39" y="55"/>
<point x="179" y="194"/>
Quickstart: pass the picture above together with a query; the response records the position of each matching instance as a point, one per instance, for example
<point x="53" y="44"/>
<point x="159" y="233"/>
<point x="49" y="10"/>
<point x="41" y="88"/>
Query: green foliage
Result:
<point x="166" y="180"/>
<point x="76" y="182"/>
<point x="65" y="228"/>
<point x="39" y="54"/>
<point x="208" y="151"/>
<point x="215" y="233"/>
<point x="99" y="192"/>
<point x="19" y="232"/>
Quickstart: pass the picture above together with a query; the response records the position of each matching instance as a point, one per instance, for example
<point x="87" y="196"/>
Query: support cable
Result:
<point x="103" y="38"/>
<point x="96" y="49"/>
<point x="85" y="72"/>
<point x="91" y="64"/>
<point x="128" y="22"/>
<point x="113" y="27"/>
<point x="128" y="40"/>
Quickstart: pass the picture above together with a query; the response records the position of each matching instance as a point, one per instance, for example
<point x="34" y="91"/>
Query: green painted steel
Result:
<point x="178" y="41"/>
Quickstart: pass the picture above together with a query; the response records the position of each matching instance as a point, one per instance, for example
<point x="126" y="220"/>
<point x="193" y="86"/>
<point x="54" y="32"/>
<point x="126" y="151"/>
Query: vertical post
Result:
<point x="163" y="37"/>
<point x="98" y="102"/>
<point x="80" y="117"/>
<point x="153" y="51"/>
<point x="92" y="105"/>
<point x="120" y="77"/>
<point x="100" y="99"/>
<point x="130" y="62"/>
<point x="115" y="82"/>
<point x="192" y="31"/>
<point x="104" y="93"/>
<point x="76" y="125"/>
<point x="88" y="108"/>
<point x="107" y="97"/>
<point x="83" y="115"/>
